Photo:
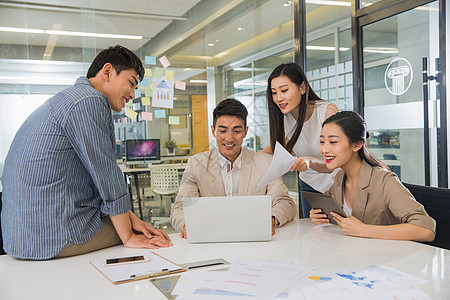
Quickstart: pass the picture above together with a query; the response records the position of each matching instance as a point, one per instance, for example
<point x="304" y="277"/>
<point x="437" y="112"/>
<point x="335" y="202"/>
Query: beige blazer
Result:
<point x="381" y="199"/>
<point x="203" y="178"/>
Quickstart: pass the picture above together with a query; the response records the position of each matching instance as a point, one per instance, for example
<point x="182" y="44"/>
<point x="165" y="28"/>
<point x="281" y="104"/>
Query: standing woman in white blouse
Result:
<point x="296" y="115"/>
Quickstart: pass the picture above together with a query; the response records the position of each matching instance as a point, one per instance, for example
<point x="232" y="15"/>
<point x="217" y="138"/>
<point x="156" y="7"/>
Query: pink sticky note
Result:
<point x="164" y="61"/>
<point x="147" y="116"/>
<point x="180" y="85"/>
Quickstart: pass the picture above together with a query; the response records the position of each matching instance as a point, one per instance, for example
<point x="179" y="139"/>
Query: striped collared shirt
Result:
<point x="60" y="177"/>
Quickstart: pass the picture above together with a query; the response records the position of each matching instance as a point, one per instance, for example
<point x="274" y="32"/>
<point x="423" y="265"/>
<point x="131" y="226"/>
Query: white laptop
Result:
<point x="228" y="219"/>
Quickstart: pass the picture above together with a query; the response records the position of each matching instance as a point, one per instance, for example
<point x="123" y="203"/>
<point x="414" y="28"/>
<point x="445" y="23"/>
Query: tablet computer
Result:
<point x="327" y="203"/>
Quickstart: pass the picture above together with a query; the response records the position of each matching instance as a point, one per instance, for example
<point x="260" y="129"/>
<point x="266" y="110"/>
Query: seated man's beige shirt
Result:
<point x="203" y="178"/>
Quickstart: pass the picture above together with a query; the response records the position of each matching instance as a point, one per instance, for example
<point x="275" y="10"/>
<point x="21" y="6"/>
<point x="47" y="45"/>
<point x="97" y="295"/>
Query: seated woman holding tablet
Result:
<point x="373" y="198"/>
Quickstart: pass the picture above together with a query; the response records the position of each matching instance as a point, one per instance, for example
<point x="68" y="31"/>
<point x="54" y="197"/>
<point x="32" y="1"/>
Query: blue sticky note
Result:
<point x="144" y="82"/>
<point x="160" y="113"/>
<point x="150" y="60"/>
<point x="137" y="93"/>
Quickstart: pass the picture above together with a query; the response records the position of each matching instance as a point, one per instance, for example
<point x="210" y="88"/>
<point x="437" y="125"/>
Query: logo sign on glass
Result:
<point x="398" y="76"/>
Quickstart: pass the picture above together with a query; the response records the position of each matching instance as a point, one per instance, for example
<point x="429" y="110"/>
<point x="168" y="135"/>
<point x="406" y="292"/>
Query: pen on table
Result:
<point x="207" y="265"/>
<point x="149" y="274"/>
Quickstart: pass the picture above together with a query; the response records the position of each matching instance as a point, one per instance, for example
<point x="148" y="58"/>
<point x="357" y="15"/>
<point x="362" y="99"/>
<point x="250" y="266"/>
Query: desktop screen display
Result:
<point x="143" y="150"/>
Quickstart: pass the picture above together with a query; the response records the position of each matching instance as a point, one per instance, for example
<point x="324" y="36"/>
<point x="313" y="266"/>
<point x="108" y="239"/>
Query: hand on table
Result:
<point x="318" y="217"/>
<point x="139" y="240"/>
<point x="349" y="225"/>
<point x="145" y="228"/>
<point x="183" y="233"/>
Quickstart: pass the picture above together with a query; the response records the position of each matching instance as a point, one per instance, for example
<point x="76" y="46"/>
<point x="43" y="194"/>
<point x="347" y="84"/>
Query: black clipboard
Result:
<point x="157" y="266"/>
<point x="327" y="203"/>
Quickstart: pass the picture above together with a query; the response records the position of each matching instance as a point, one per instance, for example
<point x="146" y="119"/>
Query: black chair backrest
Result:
<point x="1" y="239"/>
<point x="437" y="204"/>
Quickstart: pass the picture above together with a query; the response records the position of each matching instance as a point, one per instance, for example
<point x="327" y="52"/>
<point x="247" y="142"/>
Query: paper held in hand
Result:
<point x="282" y="163"/>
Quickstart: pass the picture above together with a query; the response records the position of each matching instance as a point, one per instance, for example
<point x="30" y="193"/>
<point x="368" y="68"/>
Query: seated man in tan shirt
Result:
<point x="231" y="170"/>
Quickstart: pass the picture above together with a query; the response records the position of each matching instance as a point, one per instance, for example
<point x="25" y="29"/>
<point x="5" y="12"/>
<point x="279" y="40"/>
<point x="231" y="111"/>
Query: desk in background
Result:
<point x="127" y="171"/>
<point x="324" y="249"/>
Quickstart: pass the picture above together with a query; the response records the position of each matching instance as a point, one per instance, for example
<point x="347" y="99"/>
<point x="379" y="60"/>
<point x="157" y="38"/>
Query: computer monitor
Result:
<point x="141" y="151"/>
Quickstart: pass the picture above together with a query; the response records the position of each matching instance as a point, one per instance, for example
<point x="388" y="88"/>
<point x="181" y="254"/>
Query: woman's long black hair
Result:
<point x="354" y="127"/>
<point x="276" y="120"/>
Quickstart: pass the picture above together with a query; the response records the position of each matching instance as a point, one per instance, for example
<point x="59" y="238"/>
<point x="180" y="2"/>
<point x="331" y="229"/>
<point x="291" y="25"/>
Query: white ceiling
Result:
<point x="131" y="17"/>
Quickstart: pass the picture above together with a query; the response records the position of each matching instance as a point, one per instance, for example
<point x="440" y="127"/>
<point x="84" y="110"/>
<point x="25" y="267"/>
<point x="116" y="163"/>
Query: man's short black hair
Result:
<point x="230" y="107"/>
<point x="120" y="58"/>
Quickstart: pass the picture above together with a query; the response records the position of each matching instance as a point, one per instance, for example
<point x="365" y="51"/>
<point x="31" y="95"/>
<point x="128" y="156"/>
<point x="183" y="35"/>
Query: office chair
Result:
<point x="165" y="182"/>
<point x="437" y="204"/>
<point x="1" y="238"/>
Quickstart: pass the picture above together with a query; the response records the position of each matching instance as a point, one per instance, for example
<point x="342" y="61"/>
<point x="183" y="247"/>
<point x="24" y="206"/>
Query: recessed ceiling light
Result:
<point x="24" y="30"/>
<point x="327" y="2"/>
<point x="288" y="3"/>
<point x="240" y="28"/>
<point x="210" y="44"/>
<point x="72" y="33"/>
<point x="217" y="41"/>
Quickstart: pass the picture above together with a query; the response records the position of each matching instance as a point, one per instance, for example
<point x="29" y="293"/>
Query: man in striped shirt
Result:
<point x="63" y="193"/>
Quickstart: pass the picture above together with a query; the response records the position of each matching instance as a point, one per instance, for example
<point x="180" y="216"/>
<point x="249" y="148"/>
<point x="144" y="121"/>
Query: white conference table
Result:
<point x="324" y="249"/>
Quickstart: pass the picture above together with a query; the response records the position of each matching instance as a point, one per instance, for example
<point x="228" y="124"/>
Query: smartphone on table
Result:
<point x="125" y="260"/>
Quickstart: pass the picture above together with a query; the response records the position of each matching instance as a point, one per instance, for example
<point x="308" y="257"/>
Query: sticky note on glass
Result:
<point x="180" y="85"/>
<point x="148" y="92"/>
<point x="131" y="114"/>
<point x="174" y="120"/>
<point x="137" y="93"/>
<point x="144" y="82"/>
<point x="129" y="103"/>
<point x="169" y="75"/>
<point x="164" y="61"/>
<point x="145" y="100"/>
<point x="150" y="60"/>
<point x="160" y="113"/>
<point x="148" y="72"/>
<point x="148" y="116"/>
<point x="158" y="72"/>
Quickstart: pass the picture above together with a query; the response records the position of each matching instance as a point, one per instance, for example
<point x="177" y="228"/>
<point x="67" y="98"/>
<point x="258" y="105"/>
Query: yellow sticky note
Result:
<point x="169" y="75"/>
<point x="131" y="114"/>
<point x="145" y="100"/>
<point x="174" y="120"/>
<point x="148" y="92"/>
<point x="148" y="72"/>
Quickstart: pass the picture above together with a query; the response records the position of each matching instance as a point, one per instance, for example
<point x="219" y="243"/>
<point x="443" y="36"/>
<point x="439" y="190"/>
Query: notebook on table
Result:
<point x="228" y="219"/>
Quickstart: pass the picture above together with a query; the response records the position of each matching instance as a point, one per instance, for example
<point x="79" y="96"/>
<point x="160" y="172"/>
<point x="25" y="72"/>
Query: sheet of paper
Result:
<point x="145" y="100"/>
<point x="282" y="163"/>
<point x="149" y="92"/>
<point x="169" y="75"/>
<point x="158" y="72"/>
<point x="148" y="72"/>
<point x="259" y="278"/>
<point x="148" y="116"/>
<point x="160" y="113"/>
<point x="144" y="82"/>
<point x="180" y="85"/>
<point x="150" y="60"/>
<point x="164" y="61"/>
<point x="367" y="278"/>
<point x="137" y="93"/>
<point x="190" y="281"/>
<point x="173" y="120"/>
<point x="131" y="114"/>
<point x="388" y="294"/>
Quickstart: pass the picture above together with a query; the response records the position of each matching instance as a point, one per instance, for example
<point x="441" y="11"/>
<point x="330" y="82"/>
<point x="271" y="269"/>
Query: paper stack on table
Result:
<point x="263" y="279"/>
